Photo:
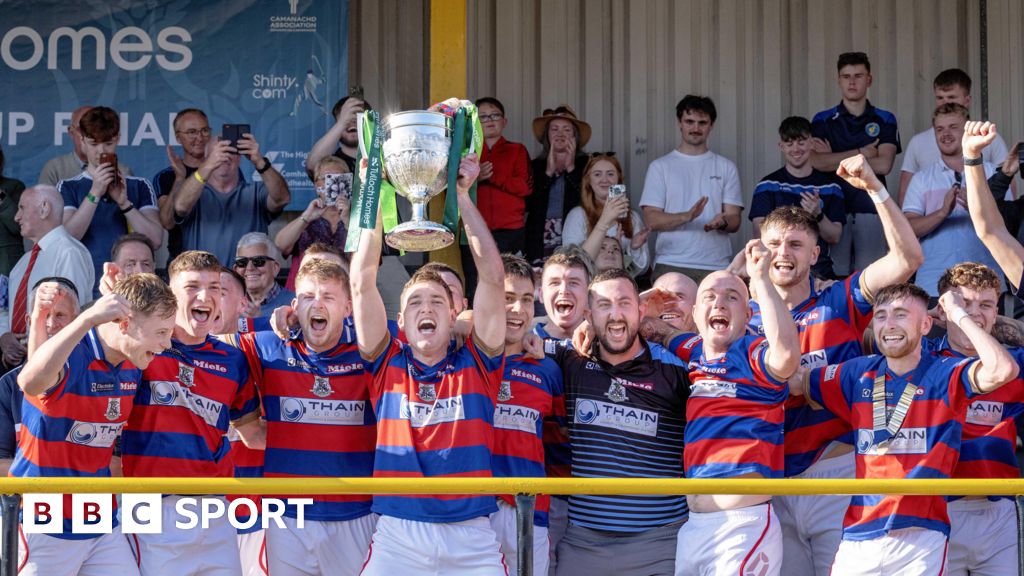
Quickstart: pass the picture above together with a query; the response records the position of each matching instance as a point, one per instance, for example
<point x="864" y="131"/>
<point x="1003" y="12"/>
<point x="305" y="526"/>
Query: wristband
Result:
<point x="819" y="217"/>
<point x="973" y="161"/>
<point x="879" y="197"/>
<point x="266" y="166"/>
<point x="199" y="177"/>
<point x="303" y="218"/>
<point x="91" y="198"/>
<point x="128" y="209"/>
<point x="958" y="315"/>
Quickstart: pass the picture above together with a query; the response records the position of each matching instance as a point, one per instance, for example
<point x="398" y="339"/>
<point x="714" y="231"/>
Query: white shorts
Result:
<point x="410" y="548"/>
<point x="319" y="547"/>
<point x="185" y="552"/>
<point x="743" y="541"/>
<point x="252" y="552"/>
<point x="982" y="538"/>
<point x="909" y="551"/>
<point x="45" y="555"/>
<point x="558" y="522"/>
<point x="504" y="523"/>
<point x="812" y="526"/>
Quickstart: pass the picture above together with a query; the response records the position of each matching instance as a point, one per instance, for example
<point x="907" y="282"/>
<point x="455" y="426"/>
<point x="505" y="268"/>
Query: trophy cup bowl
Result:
<point x="415" y="149"/>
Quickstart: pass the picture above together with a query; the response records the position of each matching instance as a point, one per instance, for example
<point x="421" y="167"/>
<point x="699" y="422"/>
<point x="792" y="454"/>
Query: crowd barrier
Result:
<point x="525" y="490"/>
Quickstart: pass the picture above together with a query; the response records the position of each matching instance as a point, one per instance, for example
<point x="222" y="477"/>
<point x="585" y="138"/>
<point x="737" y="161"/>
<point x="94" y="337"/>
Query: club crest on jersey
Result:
<point x="113" y="409"/>
<point x="186" y="375"/>
<point x="872" y="129"/>
<point x="322" y="387"/>
<point x="505" y="391"/>
<point x="616" y="392"/>
<point x="426" y="392"/>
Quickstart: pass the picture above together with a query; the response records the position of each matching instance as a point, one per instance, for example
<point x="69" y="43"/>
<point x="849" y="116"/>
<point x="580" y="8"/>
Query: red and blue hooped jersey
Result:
<point x="989" y="445"/>
<point x="189" y="396"/>
<point x="530" y="392"/>
<point x="435" y="421"/>
<point x="248" y="463"/>
<point x="319" y="418"/>
<point x="734" y="414"/>
<point x="926" y="446"/>
<point x="831" y="325"/>
<point x="557" y="447"/>
<point x="70" y="430"/>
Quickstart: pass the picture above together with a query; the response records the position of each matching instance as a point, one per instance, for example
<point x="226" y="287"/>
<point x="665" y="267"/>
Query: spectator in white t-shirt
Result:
<point x="951" y="85"/>
<point x="692" y="198"/>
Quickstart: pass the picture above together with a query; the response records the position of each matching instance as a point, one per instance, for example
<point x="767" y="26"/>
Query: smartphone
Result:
<point x="336" y="187"/>
<point x="234" y="132"/>
<point x="111" y="159"/>
<point x="616" y="190"/>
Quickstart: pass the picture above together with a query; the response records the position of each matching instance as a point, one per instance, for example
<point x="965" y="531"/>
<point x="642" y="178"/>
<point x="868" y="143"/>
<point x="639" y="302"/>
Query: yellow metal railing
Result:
<point x="789" y="486"/>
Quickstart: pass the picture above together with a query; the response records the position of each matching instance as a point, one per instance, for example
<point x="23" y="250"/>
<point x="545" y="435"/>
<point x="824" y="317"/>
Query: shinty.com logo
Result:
<point x="144" y="513"/>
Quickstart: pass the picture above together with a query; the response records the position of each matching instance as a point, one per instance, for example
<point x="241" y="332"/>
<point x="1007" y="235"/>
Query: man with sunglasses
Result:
<point x="258" y="261"/>
<point x="217" y="205"/>
<point x="192" y="131"/>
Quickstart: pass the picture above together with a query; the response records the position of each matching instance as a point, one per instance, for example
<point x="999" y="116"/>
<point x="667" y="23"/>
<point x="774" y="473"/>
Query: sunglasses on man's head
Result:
<point x="257" y="261"/>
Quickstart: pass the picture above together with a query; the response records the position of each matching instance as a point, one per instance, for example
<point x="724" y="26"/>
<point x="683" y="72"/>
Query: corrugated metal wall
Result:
<point x="623" y="64"/>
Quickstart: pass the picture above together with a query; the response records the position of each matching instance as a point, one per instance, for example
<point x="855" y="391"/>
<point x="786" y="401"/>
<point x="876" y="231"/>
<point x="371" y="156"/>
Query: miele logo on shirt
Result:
<point x="517" y="373"/>
<point x="985" y="413"/>
<point x="442" y="410"/>
<point x="171" y="393"/>
<point x="809" y="318"/>
<point x="713" y="389"/>
<point x="344" y="368"/>
<point x="641" y="385"/>
<point x="94" y="434"/>
<point x="814" y="359"/>
<point x="512" y="417"/>
<point x="906" y="441"/>
<point x="210" y="366"/>
<point x="616" y="417"/>
<point x="330" y="412"/>
<point x="707" y="369"/>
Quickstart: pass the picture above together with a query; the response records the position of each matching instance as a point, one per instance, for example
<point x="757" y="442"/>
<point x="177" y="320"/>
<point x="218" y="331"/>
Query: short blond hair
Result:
<point x="323" y="270"/>
<point x="147" y="295"/>
<point x="194" y="261"/>
<point x="329" y="162"/>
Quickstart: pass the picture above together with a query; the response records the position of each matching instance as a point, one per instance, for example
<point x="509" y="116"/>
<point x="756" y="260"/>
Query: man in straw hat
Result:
<point x="557" y="174"/>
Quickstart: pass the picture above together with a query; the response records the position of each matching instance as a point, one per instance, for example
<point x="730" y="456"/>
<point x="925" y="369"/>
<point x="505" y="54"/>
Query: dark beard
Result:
<point x="607" y="347"/>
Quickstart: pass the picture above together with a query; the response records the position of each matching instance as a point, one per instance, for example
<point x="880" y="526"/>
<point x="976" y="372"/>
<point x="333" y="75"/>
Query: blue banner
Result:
<point x="277" y="65"/>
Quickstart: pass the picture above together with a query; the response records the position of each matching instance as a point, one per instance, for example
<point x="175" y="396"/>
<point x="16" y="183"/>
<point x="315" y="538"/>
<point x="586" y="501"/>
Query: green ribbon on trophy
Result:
<point x="377" y="190"/>
<point x="467" y="136"/>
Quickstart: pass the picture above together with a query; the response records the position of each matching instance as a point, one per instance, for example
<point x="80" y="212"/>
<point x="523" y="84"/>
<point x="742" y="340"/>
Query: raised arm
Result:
<point x="489" y="299"/>
<point x="904" y="256"/>
<point x="988" y="223"/>
<point x="783" y="356"/>
<point x="45" y="367"/>
<point x="184" y="197"/>
<point x="371" y="319"/>
<point x="278" y="194"/>
<point x="995" y="367"/>
<point x="324" y="147"/>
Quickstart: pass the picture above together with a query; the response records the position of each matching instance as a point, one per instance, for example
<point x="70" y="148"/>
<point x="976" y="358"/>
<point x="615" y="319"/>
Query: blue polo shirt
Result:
<point x="844" y="131"/>
<point x="108" y="224"/>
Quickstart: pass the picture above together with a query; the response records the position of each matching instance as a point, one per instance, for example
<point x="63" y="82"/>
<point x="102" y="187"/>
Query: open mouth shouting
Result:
<point x="719" y="323"/>
<point x="616" y="330"/>
<point x="514" y="324"/>
<point x="784" y="266"/>
<point x="318" y="322"/>
<point x="564" y="307"/>
<point x="200" y="314"/>
<point x="426" y="326"/>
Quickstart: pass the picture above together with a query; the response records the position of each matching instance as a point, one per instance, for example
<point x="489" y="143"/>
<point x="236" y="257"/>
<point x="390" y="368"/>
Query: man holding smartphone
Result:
<point x="100" y="204"/>
<point x="192" y="130"/>
<point x="936" y="204"/>
<point x="216" y="206"/>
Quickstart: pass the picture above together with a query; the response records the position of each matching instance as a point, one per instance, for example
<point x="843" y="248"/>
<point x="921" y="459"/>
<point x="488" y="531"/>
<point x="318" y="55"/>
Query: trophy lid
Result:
<point x="412" y="118"/>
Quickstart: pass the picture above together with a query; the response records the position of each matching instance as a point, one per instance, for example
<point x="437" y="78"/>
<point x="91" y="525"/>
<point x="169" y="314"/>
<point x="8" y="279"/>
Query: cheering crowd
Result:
<point x="857" y="335"/>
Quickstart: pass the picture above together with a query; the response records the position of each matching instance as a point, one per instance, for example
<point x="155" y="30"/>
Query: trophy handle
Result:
<point x="360" y="123"/>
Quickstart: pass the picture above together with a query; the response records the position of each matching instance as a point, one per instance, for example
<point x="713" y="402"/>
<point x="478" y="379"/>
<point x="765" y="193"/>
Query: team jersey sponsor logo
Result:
<point x="186" y="375"/>
<point x="505" y="391"/>
<point x="809" y="318"/>
<point x="94" y="434"/>
<point x="170" y="393"/>
<point x="321" y="387"/>
<point x="440" y="411"/>
<point x="129" y="386"/>
<point x="906" y="441"/>
<point x="985" y="413"/>
<point x="695" y="366"/>
<point x="830" y="372"/>
<point x="513" y="417"/>
<point x="210" y="366"/>
<point x="814" y="359"/>
<point x="624" y="418"/>
<point x="331" y="412"/>
<point x="426" y="392"/>
<point x="344" y="368"/>
<point x="295" y="362"/>
<point x="616" y="391"/>
<point x="517" y="373"/>
<point x="113" y="409"/>
<point x="101" y="387"/>
<point x="641" y="385"/>
<point x="713" y="389"/>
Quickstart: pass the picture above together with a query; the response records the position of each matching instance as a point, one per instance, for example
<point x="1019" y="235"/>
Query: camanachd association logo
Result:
<point x="292" y="22"/>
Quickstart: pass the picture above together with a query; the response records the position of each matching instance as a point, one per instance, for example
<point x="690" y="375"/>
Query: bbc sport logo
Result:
<point x="143" y="513"/>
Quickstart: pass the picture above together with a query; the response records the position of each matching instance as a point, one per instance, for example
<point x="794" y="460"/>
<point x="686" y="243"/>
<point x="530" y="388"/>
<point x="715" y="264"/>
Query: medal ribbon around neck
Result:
<point x="891" y="423"/>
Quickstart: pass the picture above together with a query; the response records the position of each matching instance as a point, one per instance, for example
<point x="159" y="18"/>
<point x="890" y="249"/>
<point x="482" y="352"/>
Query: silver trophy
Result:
<point x="415" y="150"/>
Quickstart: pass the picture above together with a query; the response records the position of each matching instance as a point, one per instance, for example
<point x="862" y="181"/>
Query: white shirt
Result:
<point x="674" y="183"/>
<point x="923" y="152"/>
<point x="60" y="254"/>
<point x="574" y="231"/>
<point x="954" y="239"/>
